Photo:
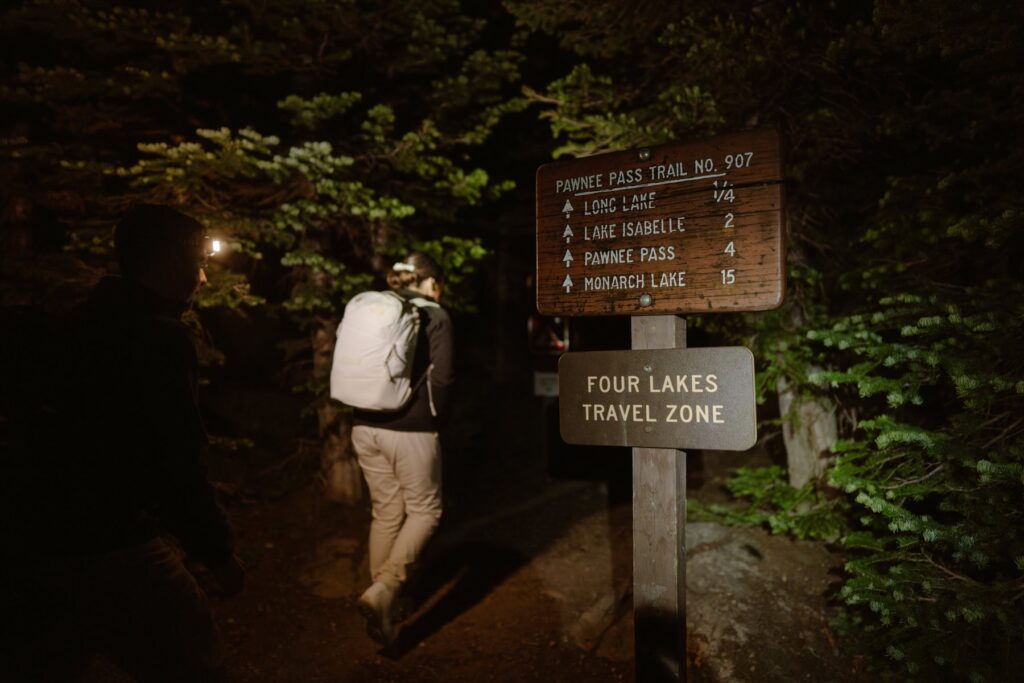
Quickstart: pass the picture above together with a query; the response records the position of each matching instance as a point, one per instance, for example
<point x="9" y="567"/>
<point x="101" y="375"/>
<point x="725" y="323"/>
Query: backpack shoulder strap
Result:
<point x="422" y="302"/>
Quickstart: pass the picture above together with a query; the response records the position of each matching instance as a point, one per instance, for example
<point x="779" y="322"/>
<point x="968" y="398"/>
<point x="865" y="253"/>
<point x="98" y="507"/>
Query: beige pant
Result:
<point x="403" y="473"/>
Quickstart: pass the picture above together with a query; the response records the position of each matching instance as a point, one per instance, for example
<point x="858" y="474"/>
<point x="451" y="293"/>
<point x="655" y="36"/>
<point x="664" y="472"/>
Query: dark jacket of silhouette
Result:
<point x="125" y="461"/>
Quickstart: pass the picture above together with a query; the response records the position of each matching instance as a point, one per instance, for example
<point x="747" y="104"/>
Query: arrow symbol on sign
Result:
<point x="567" y="283"/>
<point x="567" y="233"/>
<point x="567" y="258"/>
<point x="567" y="209"/>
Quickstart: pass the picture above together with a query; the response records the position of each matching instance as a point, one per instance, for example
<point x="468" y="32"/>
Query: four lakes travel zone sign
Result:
<point x="678" y="228"/>
<point x="664" y="398"/>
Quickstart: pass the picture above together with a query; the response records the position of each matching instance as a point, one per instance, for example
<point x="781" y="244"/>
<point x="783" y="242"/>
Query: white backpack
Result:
<point x="374" y="351"/>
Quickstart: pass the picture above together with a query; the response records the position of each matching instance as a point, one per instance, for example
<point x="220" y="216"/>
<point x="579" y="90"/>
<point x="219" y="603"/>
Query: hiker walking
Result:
<point x="397" y="373"/>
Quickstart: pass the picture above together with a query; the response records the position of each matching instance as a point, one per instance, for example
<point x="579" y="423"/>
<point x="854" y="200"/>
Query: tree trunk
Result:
<point x="340" y="471"/>
<point x="809" y="424"/>
<point x="809" y="432"/>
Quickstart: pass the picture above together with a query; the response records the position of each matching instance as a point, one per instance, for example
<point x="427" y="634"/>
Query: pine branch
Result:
<point x="918" y="480"/>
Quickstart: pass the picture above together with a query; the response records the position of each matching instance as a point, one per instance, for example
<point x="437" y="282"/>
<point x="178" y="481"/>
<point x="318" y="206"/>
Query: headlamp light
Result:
<point x="211" y="247"/>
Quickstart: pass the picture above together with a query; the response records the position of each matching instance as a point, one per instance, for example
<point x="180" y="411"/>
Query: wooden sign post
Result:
<point x="659" y="535"/>
<point x="680" y="228"/>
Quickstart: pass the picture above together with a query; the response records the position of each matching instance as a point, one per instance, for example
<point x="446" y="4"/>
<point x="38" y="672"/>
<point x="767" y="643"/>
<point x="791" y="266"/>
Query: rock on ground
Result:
<point x="756" y="607"/>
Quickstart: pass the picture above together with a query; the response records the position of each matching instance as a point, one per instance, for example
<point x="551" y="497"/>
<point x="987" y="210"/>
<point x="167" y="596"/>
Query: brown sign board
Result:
<point x="677" y="228"/>
<point x="664" y="398"/>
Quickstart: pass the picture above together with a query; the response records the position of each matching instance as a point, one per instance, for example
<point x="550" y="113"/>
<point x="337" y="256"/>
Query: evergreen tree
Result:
<point x="905" y="278"/>
<point x="329" y="136"/>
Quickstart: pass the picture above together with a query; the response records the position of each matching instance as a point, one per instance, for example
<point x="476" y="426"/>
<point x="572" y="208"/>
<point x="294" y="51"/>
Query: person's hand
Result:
<point x="230" y="576"/>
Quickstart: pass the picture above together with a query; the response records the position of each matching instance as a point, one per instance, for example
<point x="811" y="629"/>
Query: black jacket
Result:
<point x="125" y="461"/>
<point x="434" y="346"/>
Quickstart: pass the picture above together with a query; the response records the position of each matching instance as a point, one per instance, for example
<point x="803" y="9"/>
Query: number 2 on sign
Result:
<point x="728" y="276"/>
<point x="729" y="219"/>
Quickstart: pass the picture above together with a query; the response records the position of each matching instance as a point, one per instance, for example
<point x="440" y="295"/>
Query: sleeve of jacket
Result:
<point x="442" y="376"/>
<point x="187" y="498"/>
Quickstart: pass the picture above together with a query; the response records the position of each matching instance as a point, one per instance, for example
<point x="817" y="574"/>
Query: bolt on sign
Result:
<point x="665" y="398"/>
<point x="678" y="228"/>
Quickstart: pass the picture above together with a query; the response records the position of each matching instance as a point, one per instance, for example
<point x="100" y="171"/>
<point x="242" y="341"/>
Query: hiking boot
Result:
<point x="376" y="604"/>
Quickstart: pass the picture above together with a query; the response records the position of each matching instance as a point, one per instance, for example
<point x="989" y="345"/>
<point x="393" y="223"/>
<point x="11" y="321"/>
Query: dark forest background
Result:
<point x="321" y="139"/>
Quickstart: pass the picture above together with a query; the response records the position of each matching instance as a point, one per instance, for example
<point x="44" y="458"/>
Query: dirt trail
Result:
<point x="488" y="611"/>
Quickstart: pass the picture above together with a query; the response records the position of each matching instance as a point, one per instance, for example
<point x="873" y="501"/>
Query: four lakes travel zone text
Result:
<point x="640" y="411"/>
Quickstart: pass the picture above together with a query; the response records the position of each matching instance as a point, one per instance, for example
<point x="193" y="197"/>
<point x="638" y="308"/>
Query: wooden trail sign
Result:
<point x="678" y="228"/>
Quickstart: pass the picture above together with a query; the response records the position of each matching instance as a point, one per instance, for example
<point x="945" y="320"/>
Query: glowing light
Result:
<point x="216" y="246"/>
